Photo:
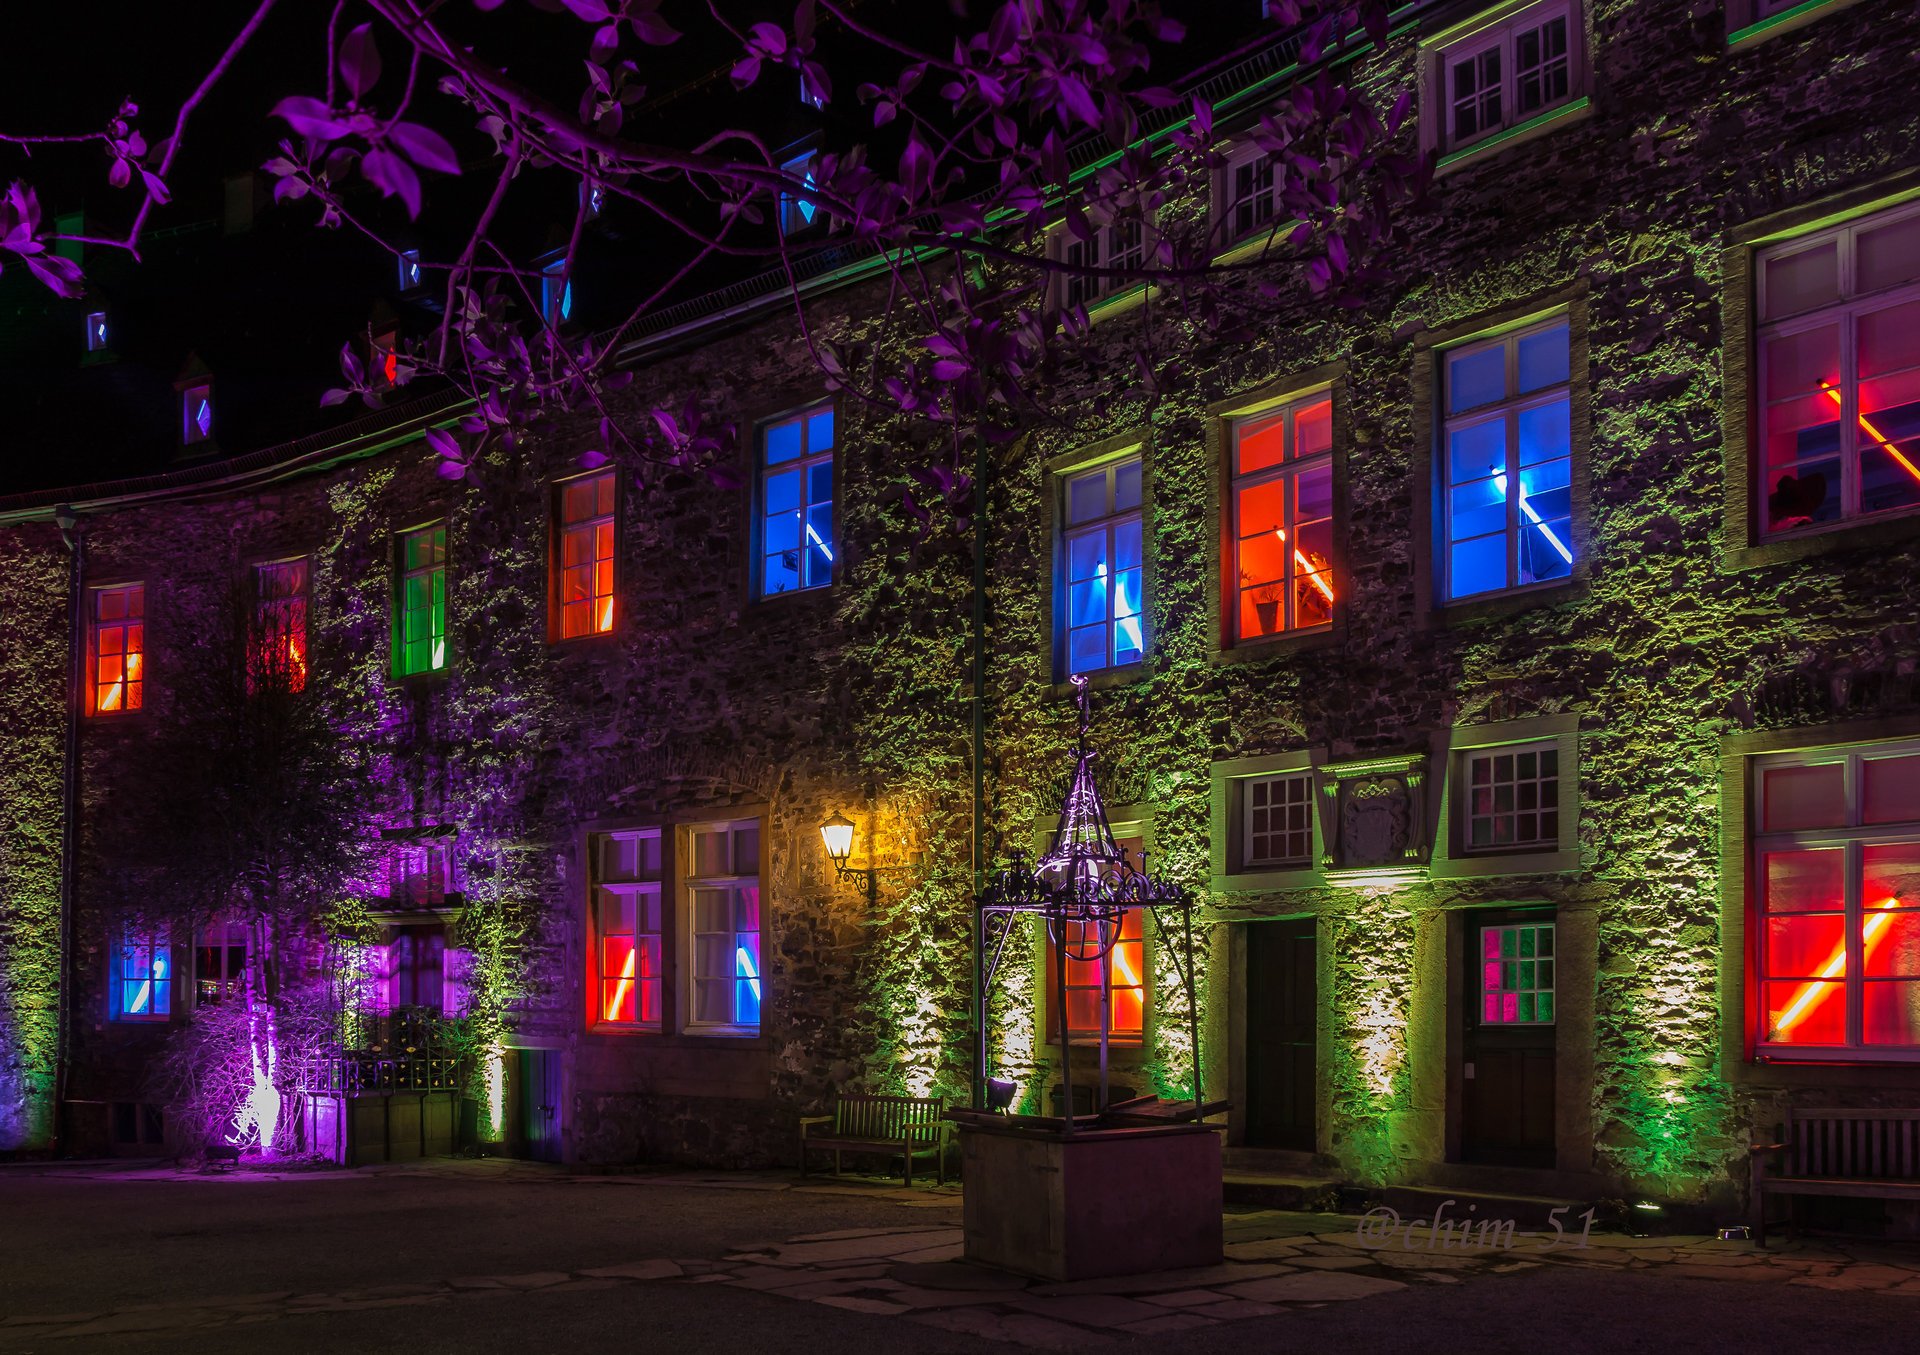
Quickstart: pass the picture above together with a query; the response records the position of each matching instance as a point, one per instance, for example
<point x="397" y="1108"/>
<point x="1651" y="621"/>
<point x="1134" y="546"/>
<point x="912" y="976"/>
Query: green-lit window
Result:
<point x="1516" y="975"/>
<point x="420" y="602"/>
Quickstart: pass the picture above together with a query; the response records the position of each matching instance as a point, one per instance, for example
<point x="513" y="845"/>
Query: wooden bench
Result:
<point x="1873" y="1154"/>
<point x="912" y="1126"/>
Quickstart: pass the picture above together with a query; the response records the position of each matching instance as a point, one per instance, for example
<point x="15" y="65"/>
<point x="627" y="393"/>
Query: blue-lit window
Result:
<point x="1508" y="462"/>
<point x="796" y="502"/>
<point x="96" y="331"/>
<point x="556" y="294"/>
<point x="724" y="928"/>
<point x="1101" y="568"/>
<point x="798" y="212"/>
<point x="142" y="976"/>
<point x="409" y="266"/>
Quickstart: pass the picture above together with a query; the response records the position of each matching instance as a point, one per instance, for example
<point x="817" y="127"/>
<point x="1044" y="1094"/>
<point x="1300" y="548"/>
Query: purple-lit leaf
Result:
<point x="156" y="187"/>
<point x="120" y="174"/>
<point x="359" y="61"/>
<point x="425" y="147"/>
<point x="746" y="72"/>
<point x="60" y="274"/>
<point x="589" y="11"/>
<point x="450" y="470"/>
<point x="394" y="177"/>
<point x="593" y="458"/>
<point x="309" y="117"/>
<point x="334" y="395"/>
<point x="767" y="39"/>
<point x="653" y="30"/>
<point x="444" y="444"/>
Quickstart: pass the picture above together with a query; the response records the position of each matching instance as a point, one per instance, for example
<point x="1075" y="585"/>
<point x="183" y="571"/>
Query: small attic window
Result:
<point x="556" y="293"/>
<point x="409" y="261"/>
<point x="386" y="355"/>
<point x="96" y="331"/>
<point x="196" y="413"/>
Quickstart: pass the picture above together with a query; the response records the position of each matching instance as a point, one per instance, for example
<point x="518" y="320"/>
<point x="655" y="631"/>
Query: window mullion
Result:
<point x="1509" y="460"/>
<point x="1855" y="952"/>
<point x="1849" y="414"/>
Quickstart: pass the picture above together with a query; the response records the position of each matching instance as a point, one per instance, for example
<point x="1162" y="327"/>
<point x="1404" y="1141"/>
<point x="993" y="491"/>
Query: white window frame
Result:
<point x="1845" y="312"/>
<point x="1108" y="523"/>
<point x="152" y="941"/>
<point x="1497" y="29"/>
<point x="1250" y="859"/>
<point x="1852" y="838"/>
<point x="1468" y="758"/>
<point x="688" y="929"/>
<point x="1508" y="408"/>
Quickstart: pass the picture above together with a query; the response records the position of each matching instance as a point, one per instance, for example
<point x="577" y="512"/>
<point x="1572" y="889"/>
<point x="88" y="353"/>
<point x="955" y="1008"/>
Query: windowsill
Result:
<point x="1266" y="879"/>
<point x="1118" y="303"/>
<point x="684" y="1039"/>
<point x="1495" y="606"/>
<point x="771" y="603"/>
<point x="1786" y="21"/>
<point x="1100" y="680"/>
<point x="1850" y="535"/>
<point x="563" y="642"/>
<point x="1476" y="866"/>
<point x="1829" y="1057"/>
<point x="1266" y="240"/>
<point x="1279" y="646"/>
<point x="1538" y="125"/>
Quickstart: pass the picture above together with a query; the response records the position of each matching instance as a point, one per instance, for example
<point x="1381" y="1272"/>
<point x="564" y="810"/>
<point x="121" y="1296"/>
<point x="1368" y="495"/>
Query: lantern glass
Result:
<point x="837" y="833"/>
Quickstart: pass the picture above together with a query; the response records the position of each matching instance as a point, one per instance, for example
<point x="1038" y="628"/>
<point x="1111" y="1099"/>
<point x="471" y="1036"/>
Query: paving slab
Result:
<point x="1168" y="1325"/>
<point x="1019" y="1328"/>
<point x="1236" y="1310"/>
<point x="1161" y="1281"/>
<point x="1312" y="1287"/>
<point x="1089" y="1310"/>
<point x="878" y="1307"/>
<point x="637" y="1270"/>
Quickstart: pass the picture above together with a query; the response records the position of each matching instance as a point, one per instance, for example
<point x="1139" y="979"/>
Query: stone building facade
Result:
<point x="1475" y="788"/>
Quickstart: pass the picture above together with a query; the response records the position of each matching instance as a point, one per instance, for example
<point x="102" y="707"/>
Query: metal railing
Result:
<point x="359" y="1072"/>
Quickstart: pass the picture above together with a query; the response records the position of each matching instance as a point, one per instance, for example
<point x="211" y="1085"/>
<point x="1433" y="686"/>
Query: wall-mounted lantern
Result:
<point x="837" y="833"/>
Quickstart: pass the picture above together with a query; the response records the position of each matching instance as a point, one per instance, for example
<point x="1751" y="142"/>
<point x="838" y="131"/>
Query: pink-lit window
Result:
<point x="1838" y="432"/>
<point x="117" y="649"/>
<point x="1516" y="974"/>
<point x="1112" y="991"/>
<point x="583" y="580"/>
<point x="1837" y="889"/>
<point x="626" y="937"/>
<point x="280" y="625"/>
<point x="1283" y="520"/>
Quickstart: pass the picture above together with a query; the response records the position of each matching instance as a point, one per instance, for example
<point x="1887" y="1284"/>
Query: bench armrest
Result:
<point x="806" y="1120"/>
<point x="1769" y="1148"/>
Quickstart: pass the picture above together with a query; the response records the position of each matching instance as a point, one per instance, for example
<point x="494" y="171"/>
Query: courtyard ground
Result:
<point x="490" y="1256"/>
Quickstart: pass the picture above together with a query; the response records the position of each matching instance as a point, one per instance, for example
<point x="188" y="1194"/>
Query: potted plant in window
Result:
<point x="1266" y="607"/>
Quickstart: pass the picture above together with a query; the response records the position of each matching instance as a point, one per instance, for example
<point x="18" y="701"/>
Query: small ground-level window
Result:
<point x="1516" y="974"/>
<point x="625" y="952"/>
<point x="1512" y="797"/>
<point x="723" y="927"/>
<point x="117" y="649"/>
<point x="583" y="580"/>
<point x="142" y="988"/>
<point x="1279" y="820"/>
<point x="1837" y="880"/>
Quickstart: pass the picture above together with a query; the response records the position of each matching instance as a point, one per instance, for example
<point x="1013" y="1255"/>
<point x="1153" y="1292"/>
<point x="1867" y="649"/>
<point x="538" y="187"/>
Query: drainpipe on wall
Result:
<point x="75" y="538"/>
<point x="979" y="765"/>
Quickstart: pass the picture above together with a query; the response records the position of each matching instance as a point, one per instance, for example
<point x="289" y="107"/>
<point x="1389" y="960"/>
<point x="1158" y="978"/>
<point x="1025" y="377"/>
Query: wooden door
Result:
<point x="540" y="1104"/>
<point x="1282" y="1017"/>
<point x="1508" y="1066"/>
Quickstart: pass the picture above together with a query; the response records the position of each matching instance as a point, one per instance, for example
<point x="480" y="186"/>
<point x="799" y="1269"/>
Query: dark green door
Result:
<point x="1282" y="1014"/>
<point x="540" y="1101"/>
<point x="1507" y="1073"/>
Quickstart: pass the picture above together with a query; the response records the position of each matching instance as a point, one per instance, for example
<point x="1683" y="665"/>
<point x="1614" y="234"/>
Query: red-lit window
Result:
<point x="1837" y="888"/>
<point x="386" y="356"/>
<point x="1283" y="520"/>
<point x="1516" y="975"/>
<point x="280" y="625"/>
<point x="1110" y="991"/>
<point x="584" y="575"/>
<point x="625" y="944"/>
<point x="1839" y="364"/>
<point x="117" y="649"/>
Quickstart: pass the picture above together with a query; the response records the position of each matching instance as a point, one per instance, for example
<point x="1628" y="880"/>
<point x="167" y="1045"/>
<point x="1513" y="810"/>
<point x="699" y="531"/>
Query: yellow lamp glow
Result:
<point x="837" y="833"/>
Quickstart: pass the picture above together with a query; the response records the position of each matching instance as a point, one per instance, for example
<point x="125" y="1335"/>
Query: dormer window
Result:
<point x="810" y="94"/>
<point x="409" y="262"/>
<point x="196" y="413"/>
<point x="556" y="294"/>
<point x="797" y="211"/>
<point x="386" y="356"/>
<point x="96" y="331"/>
<point x="1120" y="245"/>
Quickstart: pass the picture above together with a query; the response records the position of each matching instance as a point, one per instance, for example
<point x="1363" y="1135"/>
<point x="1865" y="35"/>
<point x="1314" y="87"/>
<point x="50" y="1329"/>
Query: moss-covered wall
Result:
<point x="856" y="698"/>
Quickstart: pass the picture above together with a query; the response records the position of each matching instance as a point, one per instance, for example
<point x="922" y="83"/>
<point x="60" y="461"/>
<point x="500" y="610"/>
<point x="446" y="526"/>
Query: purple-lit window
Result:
<point x="1509" y="72"/>
<point x="1251" y="200"/>
<point x="1839" y="373"/>
<point x="625" y="947"/>
<point x="723" y="928"/>
<point x="1102" y="571"/>
<point x="219" y="963"/>
<point x="142" y="988"/>
<point x="417" y="875"/>
<point x="1836" y="883"/>
<point x="1516" y="974"/>
<point x="279" y="655"/>
<point x="1507" y="458"/>
<point x="1119" y="245"/>
<point x="196" y="414"/>
<point x="796" y="503"/>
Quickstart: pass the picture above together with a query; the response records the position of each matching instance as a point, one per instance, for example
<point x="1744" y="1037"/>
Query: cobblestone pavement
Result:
<point x="1276" y="1263"/>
